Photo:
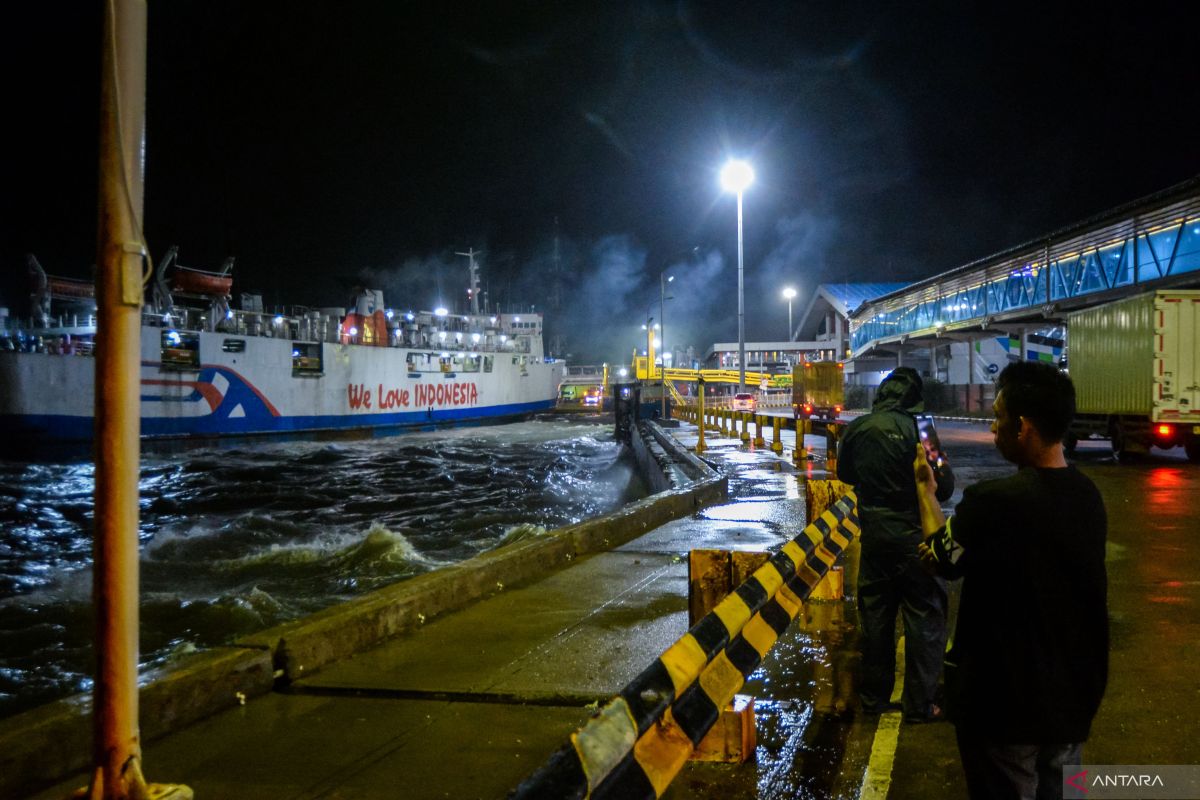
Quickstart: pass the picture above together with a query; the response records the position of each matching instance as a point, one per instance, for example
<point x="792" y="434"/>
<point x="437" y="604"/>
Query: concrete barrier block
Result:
<point x="40" y="747"/>
<point x="202" y="685"/>
<point x="304" y="646"/>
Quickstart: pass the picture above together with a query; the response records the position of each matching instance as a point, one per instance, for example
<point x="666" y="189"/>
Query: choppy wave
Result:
<point x="238" y="539"/>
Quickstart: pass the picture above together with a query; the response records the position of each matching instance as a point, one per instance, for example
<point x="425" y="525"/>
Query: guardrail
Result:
<point x="636" y="744"/>
<point x="726" y="422"/>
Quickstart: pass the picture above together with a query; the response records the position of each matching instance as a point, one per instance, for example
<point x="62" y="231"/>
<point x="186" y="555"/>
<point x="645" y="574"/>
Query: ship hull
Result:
<point x="252" y="386"/>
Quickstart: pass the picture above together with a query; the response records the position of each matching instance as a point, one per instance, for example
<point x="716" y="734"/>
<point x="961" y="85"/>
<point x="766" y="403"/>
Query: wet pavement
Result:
<point x="475" y="701"/>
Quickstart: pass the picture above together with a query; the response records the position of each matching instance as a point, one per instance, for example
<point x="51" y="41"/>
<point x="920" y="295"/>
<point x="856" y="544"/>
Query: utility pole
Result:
<point x="122" y="260"/>
<point x="473" y="285"/>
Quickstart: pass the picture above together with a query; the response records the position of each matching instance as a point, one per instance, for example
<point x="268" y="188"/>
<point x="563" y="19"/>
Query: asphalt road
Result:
<point x="1151" y="710"/>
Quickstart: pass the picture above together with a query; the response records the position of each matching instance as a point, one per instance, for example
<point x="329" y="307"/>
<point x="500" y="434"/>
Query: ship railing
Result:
<point x="63" y="334"/>
<point x="54" y="323"/>
<point x="314" y="326"/>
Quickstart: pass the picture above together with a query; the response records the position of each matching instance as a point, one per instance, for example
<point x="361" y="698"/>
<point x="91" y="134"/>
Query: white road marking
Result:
<point x="878" y="778"/>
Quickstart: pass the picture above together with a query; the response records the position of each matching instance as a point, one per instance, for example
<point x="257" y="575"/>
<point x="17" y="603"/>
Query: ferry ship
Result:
<point x="210" y="370"/>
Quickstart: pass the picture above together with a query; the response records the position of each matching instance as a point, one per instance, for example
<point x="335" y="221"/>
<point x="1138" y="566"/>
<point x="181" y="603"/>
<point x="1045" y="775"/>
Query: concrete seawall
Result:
<point x="41" y="746"/>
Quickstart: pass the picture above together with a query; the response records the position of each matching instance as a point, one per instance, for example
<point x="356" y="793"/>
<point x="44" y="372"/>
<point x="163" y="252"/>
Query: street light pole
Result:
<point x="741" y="306"/>
<point x="662" y="326"/>
<point x="789" y="293"/>
<point x="736" y="176"/>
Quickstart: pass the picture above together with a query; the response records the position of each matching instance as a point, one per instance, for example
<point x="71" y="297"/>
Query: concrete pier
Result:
<point x="468" y="704"/>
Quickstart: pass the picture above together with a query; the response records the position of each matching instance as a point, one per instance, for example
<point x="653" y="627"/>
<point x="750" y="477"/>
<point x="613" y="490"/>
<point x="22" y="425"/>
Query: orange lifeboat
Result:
<point x="185" y="280"/>
<point x="69" y="288"/>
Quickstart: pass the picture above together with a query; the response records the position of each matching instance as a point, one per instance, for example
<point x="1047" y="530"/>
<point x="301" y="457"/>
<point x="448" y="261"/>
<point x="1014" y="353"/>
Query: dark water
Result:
<point x="236" y="540"/>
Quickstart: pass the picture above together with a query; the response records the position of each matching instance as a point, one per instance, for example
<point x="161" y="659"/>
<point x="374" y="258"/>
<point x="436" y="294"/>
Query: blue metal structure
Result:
<point x="853" y="295"/>
<point x="1150" y="243"/>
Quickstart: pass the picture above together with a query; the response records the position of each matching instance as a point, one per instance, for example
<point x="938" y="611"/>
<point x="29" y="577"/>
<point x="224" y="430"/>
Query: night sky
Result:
<point x="321" y="143"/>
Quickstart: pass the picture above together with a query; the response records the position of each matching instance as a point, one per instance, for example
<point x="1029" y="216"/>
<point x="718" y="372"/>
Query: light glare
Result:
<point x="736" y="176"/>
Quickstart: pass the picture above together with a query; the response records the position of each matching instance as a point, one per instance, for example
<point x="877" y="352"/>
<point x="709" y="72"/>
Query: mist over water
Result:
<point x="236" y="540"/>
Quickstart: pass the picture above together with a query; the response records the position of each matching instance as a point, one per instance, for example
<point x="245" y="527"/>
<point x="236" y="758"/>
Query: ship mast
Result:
<point x="473" y="286"/>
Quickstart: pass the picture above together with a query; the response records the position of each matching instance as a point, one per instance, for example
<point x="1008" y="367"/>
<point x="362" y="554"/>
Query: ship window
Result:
<point x="471" y="364"/>
<point x="180" y="349"/>
<point x="424" y="362"/>
<point x="306" y="358"/>
<point x="234" y="345"/>
<point x="487" y="363"/>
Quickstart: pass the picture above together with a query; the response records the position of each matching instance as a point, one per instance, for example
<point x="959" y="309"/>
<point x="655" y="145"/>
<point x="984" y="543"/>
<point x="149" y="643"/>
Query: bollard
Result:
<point x="819" y="496"/>
<point x="832" y="438"/>
<point x="713" y="575"/>
<point x="745" y="437"/>
<point x="724" y="429"/>
<point x="776" y="441"/>
<point x="700" y="446"/>
<point x="800" y="453"/>
<point x="758" y="437"/>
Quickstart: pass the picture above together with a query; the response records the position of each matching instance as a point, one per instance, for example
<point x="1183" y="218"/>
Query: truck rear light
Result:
<point x="838" y="409"/>
<point x="1163" y="430"/>
<point x="807" y="408"/>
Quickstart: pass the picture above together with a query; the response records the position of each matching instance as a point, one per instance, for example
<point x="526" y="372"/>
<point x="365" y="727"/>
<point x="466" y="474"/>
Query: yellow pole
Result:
<point x="745" y="415"/>
<point x="121" y="256"/>
<point x="832" y="436"/>
<point x="776" y="440"/>
<point x="758" y="426"/>
<point x="649" y="351"/>
<point x="700" y="446"/>
<point x="800" y="453"/>
<point x="724" y="416"/>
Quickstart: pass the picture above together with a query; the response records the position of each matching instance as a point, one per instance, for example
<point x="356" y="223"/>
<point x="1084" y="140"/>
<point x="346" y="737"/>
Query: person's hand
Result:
<point x="923" y="472"/>
<point x="928" y="558"/>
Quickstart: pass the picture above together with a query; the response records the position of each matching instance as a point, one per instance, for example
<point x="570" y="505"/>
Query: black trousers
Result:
<point x="896" y="583"/>
<point x="1015" y="771"/>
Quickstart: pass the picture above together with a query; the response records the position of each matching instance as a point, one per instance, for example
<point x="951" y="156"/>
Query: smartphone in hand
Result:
<point x="929" y="440"/>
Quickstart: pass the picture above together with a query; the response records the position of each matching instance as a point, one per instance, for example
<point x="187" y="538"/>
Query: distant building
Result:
<point x="821" y="332"/>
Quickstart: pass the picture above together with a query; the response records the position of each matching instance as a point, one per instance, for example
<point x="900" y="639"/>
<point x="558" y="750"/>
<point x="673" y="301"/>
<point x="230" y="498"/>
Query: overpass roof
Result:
<point x="1153" y="242"/>
<point x="842" y="298"/>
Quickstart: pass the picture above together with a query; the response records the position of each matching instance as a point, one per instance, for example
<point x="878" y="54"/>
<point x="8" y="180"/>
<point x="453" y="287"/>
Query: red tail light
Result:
<point x="837" y="409"/>
<point x="1163" y="430"/>
<point x="807" y="408"/>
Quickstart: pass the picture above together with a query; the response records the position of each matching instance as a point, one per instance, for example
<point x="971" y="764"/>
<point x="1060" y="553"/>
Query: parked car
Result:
<point x="744" y="401"/>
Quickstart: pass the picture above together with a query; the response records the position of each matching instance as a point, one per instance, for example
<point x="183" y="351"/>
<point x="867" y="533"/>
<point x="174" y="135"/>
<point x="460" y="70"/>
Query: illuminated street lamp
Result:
<point x="736" y="176"/>
<point x="789" y="294"/>
<point x="663" y="280"/>
<point x="651" y="342"/>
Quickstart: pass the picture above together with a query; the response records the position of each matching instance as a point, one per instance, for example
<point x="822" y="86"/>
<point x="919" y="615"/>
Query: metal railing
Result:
<point x="1151" y="242"/>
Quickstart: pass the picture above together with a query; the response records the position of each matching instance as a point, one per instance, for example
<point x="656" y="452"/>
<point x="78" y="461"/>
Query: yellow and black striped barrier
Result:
<point x="635" y="745"/>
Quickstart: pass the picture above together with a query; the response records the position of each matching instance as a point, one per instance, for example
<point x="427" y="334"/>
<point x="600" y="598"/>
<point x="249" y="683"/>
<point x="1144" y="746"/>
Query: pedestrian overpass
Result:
<point x="1152" y="243"/>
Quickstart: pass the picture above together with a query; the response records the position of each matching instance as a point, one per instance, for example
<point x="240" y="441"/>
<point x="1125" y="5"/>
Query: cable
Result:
<point x="148" y="263"/>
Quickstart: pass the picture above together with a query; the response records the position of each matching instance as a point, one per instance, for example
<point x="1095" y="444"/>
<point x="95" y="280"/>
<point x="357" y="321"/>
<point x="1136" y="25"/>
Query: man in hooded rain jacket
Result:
<point x="875" y="456"/>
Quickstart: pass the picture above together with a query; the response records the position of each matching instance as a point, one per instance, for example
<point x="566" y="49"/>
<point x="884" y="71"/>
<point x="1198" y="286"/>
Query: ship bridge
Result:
<point x="1152" y="243"/>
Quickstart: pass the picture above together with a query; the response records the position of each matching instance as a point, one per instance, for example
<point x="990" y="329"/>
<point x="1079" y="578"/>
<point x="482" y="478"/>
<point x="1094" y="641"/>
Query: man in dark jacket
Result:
<point x="1029" y="663"/>
<point x="876" y="456"/>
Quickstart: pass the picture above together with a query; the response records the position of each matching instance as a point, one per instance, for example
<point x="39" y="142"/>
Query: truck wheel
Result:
<point x="1192" y="448"/>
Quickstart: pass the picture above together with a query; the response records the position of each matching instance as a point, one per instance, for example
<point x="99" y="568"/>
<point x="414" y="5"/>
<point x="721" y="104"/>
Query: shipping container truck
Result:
<point x="1136" y="370"/>
<point x="818" y="390"/>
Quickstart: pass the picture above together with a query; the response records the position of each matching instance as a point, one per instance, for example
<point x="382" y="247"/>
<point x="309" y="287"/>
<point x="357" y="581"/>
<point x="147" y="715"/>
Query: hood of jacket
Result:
<point x="900" y="391"/>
